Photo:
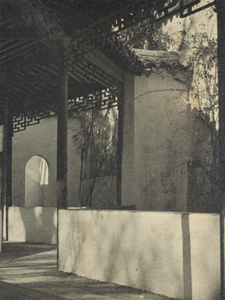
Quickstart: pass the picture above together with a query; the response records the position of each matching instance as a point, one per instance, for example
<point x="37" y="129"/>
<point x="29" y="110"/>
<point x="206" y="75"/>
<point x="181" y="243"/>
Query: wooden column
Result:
<point x="220" y="6"/>
<point x="62" y="132"/>
<point x="3" y="145"/>
<point x="2" y="182"/>
<point x="8" y="170"/>
<point x="119" y="152"/>
<point x="128" y="181"/>
<point x="9" y="162"/>
<point x="62" y="138"/>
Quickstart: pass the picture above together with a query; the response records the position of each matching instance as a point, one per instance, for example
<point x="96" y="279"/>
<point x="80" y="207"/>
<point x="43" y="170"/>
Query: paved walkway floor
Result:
<point x="28" y="271"/>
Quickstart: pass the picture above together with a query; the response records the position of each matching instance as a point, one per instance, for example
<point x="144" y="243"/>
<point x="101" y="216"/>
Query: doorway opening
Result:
<point x="36" y="182"/>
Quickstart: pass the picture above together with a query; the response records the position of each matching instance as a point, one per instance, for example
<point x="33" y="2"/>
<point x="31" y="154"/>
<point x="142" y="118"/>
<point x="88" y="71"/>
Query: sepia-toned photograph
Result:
<point x="112" y="149"/>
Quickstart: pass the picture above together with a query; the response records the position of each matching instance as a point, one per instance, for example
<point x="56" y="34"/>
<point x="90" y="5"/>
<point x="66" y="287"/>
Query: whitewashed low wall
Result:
<point x="171" y="254"/>
<point x="32" y="224"/>
<point x="1" y="237"/>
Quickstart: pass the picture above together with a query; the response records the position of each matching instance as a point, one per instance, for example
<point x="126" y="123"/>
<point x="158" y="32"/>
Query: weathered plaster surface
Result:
<point x="172" y="254"/>
<point x="41" y="140"/>
<point x="35" y="140"/>
<point x="166" y="148"/>
<point x="33" y="224"/>
<point x="123" y="247"/>
<point x="158" y="132"/>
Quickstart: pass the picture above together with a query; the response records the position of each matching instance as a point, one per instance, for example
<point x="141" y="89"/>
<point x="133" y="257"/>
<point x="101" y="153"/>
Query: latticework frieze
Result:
<point x="20" y="123"/>
<point x="101" y="100"/>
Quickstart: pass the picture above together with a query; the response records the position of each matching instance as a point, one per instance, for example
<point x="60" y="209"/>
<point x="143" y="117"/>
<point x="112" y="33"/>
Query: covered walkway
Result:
<point x="29" y="271"/>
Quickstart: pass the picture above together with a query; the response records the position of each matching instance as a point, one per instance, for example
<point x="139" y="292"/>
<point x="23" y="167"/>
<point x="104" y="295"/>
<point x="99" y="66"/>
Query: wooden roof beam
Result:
<point x="27" y="88"/>
<point x="76" y="78"/>
<point x="87" y="74"/>
<point x="27" y="84"/>
<point x="11" y="47"/>
<point x="17" y="54"/>
<point x="98" y="75"/>
<point x="19" y="51"/>
<point x="49" y="72"/>
<point x="35" y="74"/>
<point x="79" y="73"/>
<point x="103" y="62"/>
<point x="20" y="90"/>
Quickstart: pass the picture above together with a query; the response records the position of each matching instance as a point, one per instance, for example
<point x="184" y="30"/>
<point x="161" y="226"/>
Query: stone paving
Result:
<point x="28" y="271"/>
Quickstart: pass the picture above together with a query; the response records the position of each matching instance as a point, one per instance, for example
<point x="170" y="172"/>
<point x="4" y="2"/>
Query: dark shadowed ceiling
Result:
<point x="38" y="36"/>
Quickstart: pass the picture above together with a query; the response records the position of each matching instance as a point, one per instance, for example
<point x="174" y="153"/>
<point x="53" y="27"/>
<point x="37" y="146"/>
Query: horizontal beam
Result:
<point x="17" y="52"/>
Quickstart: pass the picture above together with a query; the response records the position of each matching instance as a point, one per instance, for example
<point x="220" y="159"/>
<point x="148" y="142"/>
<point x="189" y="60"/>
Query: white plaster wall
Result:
<point x="35" y="140"/>
<point x="158" y="131"/>
<point x="161" y="142"/>
<point x="32" y="224"/>
<point x="104" y="192"/>
<point x="171" y="254"/>
<point x="41" y="140"/>
<point x="202" y="196"/>
<point x="205" y="256"/>
<point x="1" y="231"/>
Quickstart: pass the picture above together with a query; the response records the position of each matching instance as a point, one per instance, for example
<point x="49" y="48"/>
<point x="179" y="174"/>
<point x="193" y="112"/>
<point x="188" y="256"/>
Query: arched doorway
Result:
<point x="36" y="182"/>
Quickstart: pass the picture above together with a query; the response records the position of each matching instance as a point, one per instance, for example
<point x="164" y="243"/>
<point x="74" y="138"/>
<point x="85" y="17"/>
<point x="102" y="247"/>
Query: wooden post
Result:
<point x="220" y="6"/>
<point x="2" y="182"/>
<point x="8" y="170"/>
<point x="62" y="132"/>
<point x="128" y="181"/>
<point x="62" y="139"/>
<point x="3" y="144"/>
<point x="119" y="152"/>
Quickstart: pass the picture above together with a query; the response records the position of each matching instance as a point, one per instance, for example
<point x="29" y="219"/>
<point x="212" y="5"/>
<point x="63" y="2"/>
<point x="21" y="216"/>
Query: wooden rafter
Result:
<point x="30" y="52"/>
<point x="17" y="53"/>
<point x="10" y="45"/>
